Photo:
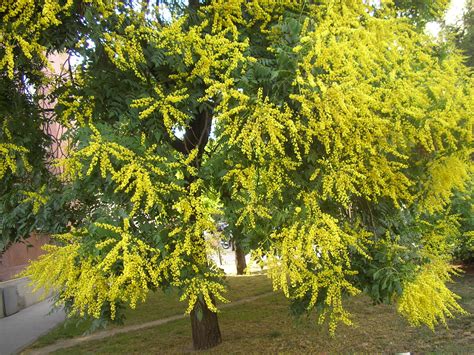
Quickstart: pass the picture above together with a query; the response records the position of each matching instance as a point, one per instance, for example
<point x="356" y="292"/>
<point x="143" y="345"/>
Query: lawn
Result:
<point x="265" y="325"/>
<point x="160" y="305"/>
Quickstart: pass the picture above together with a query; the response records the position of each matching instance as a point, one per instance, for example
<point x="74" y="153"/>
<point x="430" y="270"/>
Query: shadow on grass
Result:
<point x="265" y="325"/>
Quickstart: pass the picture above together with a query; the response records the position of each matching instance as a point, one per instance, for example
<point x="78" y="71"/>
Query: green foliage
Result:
<point x="333" y="132"/>
<point x="464" y="33"/>
<point x="422" y="11"/>
<point x="25" y="179"/>
<point x="463" y="206"/>
<point x="462" y="202"/>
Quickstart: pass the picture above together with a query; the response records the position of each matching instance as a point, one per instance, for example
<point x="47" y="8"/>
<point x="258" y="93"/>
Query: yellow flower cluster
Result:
<point x="188" y="250"/>
<point x="122" y="272"/>
<point x="125" y="267"/>
<point x="445" y="175"/>
<point x="165" y="104"/>
<point x="9" y="154"/>
<point x="22" y="25"/>
<point x="263" y="134"/>
<point x="252" y="180"/>
<point x="313" y="255"/>
<point x="210" y="58"/>
<point x="130" y="172"/>
<point x="438" y="236"/>
<point x="356" y="110"/>
<point x="77" y="110"/>
<point x="125" y="51"/>
<point x="229" y="14"/>
<point x="271" y="138"/>
<point x="38" y="199"/>
<point x="426" y="299"/>
<point x="200" y="287"/>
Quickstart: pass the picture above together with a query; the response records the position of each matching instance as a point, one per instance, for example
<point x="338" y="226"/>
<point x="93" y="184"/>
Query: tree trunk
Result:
<point x="239" y="258"/>
<point x="205" y="327"/>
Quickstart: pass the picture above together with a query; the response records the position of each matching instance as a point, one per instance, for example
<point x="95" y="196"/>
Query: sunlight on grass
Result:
<point x="265" y="325"/>
<point x="160" y="305"/>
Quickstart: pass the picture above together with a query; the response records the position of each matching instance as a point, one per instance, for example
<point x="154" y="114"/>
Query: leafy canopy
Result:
<point x="334" y="133"/>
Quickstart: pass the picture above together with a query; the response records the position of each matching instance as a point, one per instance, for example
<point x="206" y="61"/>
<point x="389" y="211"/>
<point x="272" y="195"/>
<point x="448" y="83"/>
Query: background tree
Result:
<point x="30" y="195"/>
<point x="18" y="137"/>
<point x="420" y="12"/>
<point x="335" y="128"/>
<point x="463" y="203"/>
<point x="464" y="33"/>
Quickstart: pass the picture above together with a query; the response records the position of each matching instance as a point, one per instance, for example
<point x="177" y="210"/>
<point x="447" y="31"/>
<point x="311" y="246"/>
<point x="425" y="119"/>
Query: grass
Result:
<point x="157" y="306"/>
<point x="265" y="325"/>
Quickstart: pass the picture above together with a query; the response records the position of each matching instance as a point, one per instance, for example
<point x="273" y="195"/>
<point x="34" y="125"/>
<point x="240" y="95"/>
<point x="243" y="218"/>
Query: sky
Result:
<point x="453" y="15"/>
<point x="455" y="11"/>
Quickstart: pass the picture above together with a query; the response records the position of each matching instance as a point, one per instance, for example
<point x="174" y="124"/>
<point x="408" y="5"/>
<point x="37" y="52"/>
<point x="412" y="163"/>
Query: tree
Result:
<point x="464" y="33"/>
<point x="29" y="191"/>
<point x="420" y="12"/>
<point x="17" y="136"/>
<point x="463" y="203"/>
<point x="336" y="130"/>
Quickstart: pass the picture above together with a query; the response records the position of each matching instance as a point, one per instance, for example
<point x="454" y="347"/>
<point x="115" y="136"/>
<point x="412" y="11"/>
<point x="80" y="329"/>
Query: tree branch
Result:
<point x="197" y="135"/>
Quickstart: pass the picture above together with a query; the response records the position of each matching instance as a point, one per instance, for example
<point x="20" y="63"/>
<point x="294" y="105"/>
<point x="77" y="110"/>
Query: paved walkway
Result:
<point x="23" y="328"/>
<point x="67" y="343"/>
<point x="225" y="259"/>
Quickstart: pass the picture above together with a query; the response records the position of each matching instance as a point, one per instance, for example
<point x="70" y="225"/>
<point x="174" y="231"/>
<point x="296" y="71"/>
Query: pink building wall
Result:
<point x="18" y="255"/>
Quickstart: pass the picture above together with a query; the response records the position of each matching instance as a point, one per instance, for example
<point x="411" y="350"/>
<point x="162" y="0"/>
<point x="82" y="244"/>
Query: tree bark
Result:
<point x="204" y="323"/>
<point x="205" y="327"/>
<point x="240" y="258"/>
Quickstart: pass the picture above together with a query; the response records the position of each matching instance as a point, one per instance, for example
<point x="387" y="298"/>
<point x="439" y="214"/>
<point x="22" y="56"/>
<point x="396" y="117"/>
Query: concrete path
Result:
<point x="225" y="259"/>
<point x="67" y="343"/>
<point x="23" y="328"/>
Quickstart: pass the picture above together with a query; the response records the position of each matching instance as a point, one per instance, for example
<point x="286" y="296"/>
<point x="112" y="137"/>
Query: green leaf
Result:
<point x="199" y="314"/>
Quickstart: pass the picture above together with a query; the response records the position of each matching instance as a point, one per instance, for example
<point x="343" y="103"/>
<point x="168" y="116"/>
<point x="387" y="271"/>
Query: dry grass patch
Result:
<point x="265" y="326"/>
